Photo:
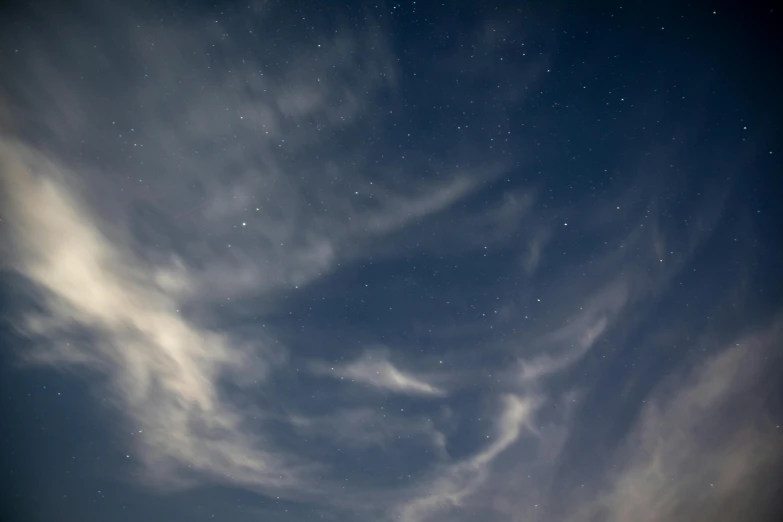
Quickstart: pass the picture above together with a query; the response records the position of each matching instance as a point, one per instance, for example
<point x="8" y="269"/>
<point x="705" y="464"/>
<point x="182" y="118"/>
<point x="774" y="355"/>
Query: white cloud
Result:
<point x="278" y="150"/>
<point x="151" y="237"/>
<point x="374" y="369"/>
<point x="453" y="484"/>
<point x="567" y="345"/>
<point x="290" y="148"/>
<point x="163" y="368"/>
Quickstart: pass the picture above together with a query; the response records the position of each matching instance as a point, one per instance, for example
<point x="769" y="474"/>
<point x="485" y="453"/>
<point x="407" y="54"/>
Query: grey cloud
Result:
<point x="536" y="246"/>
<point x="464" y="484"/>
<point x="268" y="145"/>
<point x="362" y="428"/>
<point x="404" y="211"/>
<point x="704" y="446"/>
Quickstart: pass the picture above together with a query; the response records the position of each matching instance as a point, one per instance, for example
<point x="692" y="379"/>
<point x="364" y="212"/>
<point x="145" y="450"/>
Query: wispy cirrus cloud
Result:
<point x="121" y="256"/>
<point x="454" y="483"/>
<point x="374" y="369"/>
<point x="565" y="346"/>
<point x="702" y="444"/>
<point x="362" y="428"/>
<point x="162" y="368"/>
<point x="189" y="197"/>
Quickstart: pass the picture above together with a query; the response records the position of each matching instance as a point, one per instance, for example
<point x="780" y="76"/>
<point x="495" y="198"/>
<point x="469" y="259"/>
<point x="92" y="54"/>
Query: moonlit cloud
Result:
<point x="363" y="428"/>
<point x="565" y="346"/>
<point x="365" y="265"/>
<point x="163" y="369"/>
<point x="682" y="462"/>
<point x="111" y="279"/>
<point x="456" y="482"/>
<point x="374" y="369"/>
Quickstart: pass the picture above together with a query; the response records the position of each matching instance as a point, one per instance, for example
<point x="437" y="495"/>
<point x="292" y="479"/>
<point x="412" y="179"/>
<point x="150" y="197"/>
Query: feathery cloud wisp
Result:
<point x="374" y="369"/>
<point x="163" y="368"/>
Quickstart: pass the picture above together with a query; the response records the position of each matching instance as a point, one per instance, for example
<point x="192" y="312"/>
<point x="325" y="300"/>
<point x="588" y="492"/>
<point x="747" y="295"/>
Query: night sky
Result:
<point x="285" y="261"/>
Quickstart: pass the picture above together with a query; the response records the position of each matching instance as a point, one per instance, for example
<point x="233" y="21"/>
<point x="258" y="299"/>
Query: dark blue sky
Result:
<point x="420" y="261"/>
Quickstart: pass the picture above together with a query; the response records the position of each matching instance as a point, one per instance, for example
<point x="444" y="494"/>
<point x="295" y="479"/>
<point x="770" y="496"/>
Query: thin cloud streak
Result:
<point x="567" y="345"/>
<point x="458" y="481"/>
<point x="374" y="369"/>
<point x="363" y="428"/>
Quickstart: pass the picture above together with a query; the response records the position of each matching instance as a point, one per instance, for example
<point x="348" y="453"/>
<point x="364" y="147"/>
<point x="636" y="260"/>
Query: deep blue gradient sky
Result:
<point x="420" y="261"/>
